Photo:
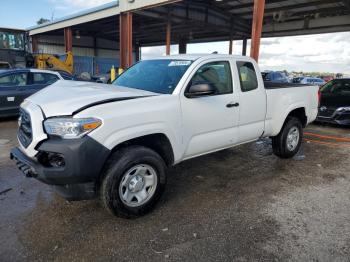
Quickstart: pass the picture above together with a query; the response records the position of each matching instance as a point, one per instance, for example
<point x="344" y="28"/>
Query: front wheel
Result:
<point x="287" y="143"/>
<point x="134" y="180"/>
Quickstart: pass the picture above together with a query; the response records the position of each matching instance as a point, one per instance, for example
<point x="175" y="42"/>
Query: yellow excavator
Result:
<point x="47" y="61"/>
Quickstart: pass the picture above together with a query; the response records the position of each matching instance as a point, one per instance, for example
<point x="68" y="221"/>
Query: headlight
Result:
<point x="71" y="128"/>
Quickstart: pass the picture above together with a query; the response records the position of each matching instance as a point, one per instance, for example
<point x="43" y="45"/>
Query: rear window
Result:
<point x="247" y="76"/>
<point x="44" y="78"/>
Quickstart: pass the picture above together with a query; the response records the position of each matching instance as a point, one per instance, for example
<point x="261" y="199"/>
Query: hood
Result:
<point x="67" y="97"/>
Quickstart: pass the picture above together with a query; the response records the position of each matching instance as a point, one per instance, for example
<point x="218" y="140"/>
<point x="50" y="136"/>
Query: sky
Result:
<point x="316" y="53"/>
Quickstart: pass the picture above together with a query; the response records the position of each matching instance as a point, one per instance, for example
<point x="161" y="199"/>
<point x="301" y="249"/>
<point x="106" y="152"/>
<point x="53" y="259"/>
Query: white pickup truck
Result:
<point x="116" y="141"/>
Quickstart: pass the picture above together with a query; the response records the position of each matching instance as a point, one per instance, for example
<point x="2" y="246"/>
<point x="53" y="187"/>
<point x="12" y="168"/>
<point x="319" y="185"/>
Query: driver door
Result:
<point x="10" y="93"/>
<point x="210" y="121"/>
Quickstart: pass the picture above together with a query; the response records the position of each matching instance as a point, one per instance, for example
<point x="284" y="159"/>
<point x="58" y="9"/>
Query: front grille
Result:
<point x="25" y="134"/>
<point x="343" y="116"/>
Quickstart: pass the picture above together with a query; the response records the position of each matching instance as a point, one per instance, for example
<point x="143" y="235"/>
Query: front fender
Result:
<point x="113" y="138"/>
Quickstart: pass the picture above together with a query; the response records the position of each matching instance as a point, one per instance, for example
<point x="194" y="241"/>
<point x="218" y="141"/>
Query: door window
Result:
<point x="218" y="74"/>
<point x="18" y="79"/>
<point x="44" y="79"/>
<point x="247" y="76"/>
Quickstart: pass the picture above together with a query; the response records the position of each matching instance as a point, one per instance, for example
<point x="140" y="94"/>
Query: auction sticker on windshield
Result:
<point x="180" y="63"/>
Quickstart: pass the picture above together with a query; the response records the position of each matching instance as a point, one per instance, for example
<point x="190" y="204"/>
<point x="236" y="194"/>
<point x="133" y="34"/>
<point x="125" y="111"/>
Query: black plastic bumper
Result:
<point x="84" y="160"/>
<point x="341" y="118"/>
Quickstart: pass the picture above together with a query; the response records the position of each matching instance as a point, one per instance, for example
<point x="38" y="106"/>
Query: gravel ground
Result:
<point x="241" y="204"/>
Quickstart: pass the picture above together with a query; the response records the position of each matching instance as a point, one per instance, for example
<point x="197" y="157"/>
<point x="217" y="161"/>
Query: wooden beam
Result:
<point x="258" y="16"/>
<point x="68" y="39"/>
<point x="125" y="40"/>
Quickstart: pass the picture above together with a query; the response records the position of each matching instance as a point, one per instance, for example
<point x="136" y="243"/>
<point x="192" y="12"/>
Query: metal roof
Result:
<point x="11" y="29"/>
<point x="207" y="20"/>
<point x="78" y="14"/>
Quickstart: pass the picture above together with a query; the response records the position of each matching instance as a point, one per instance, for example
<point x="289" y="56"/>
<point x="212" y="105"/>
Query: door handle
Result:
<point x="232" y="104"/>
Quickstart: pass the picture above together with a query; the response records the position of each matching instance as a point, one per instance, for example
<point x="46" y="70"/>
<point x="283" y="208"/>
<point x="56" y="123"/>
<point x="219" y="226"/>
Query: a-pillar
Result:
<point x="258" y="17"/>
<point x="68" y="39"/>
<point x="182" y="46"/>
<point x="125" y="40"/>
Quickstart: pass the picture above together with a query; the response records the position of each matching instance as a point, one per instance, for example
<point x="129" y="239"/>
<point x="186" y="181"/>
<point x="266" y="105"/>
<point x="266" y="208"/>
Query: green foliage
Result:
<point x="42" y="21"/>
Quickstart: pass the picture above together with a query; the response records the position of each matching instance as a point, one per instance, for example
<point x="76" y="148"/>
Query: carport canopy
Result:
<point x="155" y="22"/>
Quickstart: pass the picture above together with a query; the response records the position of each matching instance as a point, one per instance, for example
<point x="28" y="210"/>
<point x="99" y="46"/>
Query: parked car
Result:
<point x="276" y="77"/>
<point x="65" y="75"/>
<point x="335" y="102"/>
<point x="102" y="78"/>
<point x="5" y="65"/>
<point x="297" y="80"/>
<point x="116" y="141"/>
<point x="18" y="84"/>
<point x="312" y="81"/>
<point x="327" y="78"/>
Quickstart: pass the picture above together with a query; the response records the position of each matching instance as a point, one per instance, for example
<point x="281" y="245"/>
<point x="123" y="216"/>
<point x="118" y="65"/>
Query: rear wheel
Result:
<point x="287" y="143"/>
<point x="134" y="180"/>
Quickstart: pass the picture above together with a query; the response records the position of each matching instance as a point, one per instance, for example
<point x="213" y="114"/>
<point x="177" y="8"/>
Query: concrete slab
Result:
<point x="240" y="204"/>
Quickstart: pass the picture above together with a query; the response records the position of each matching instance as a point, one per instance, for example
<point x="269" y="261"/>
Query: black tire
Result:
<point x="279" y="142"/>
<point x="117" y="166"/>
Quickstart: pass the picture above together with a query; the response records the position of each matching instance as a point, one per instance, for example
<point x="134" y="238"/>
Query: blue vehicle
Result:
<point x="18" y="84"/>
<point x="275" y="77"/>
<point x="312" y="81"/>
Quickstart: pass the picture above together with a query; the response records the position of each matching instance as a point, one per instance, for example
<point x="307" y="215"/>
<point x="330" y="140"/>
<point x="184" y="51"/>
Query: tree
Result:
<point x="42" y="21"/>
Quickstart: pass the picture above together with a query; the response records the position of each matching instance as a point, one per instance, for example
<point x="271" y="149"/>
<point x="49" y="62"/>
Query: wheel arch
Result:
<point x="158" y="142"/>
<point x="298" y="113"/>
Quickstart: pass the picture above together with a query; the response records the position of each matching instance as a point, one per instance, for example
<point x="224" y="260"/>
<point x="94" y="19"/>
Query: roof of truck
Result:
<point x="193" y="57"/>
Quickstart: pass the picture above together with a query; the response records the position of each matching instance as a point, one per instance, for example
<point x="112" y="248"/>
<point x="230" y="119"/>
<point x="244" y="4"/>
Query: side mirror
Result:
<point x="198" y="90"/>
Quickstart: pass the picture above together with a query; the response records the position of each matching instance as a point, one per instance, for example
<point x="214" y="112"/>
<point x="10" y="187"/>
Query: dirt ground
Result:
<point x="241" y="204"/>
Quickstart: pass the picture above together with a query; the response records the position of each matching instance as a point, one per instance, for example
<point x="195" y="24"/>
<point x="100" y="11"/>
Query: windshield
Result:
<point x="338" y="86"/>
<point x="12" y="40"/>
<point x="158" y="76"/>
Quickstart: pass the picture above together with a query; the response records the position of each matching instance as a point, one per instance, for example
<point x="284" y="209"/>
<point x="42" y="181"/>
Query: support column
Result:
<point x="68" y="39"/>
<point x="168" y="37"/>
<point x="182" y="46"/>
<point x="230" y="49"/>
<point x="35" y="44"/>
<point x="137" y="52"/>
<point x="258" y="16"/>
<point x="125" y="40"/>
<point x="96" y="70"/>
<point x="244" y="47"/>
